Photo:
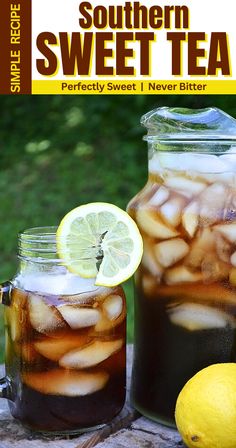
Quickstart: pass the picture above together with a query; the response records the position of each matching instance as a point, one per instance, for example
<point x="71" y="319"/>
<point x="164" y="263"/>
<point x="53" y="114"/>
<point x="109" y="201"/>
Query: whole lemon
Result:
<point x="205" y="411"/>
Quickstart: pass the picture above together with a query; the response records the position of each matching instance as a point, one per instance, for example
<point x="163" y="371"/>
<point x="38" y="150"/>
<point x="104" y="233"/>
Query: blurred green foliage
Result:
<point x="57" y="152"/>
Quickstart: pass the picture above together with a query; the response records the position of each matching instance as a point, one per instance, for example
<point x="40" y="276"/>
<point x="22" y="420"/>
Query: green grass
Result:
<point x="57" y="152"/>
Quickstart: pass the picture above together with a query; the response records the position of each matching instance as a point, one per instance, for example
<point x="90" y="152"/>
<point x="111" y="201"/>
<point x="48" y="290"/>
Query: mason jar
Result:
<point x="185" y="287"/>
<point x="65" y="342"/>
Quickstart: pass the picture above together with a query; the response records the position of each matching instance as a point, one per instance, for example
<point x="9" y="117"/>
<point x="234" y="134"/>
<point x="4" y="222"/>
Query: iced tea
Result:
<point x="185" y="303"/>
<point x="65" y="354"/>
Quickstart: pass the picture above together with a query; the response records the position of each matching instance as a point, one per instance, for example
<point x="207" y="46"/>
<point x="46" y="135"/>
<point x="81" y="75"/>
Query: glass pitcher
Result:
<point x="185" y="304"/>
<point x="65" y="342"/>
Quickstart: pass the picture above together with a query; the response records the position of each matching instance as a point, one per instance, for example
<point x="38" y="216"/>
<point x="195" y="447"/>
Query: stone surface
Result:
<point x="128" y="429"/>
<point x="143" y="433"/>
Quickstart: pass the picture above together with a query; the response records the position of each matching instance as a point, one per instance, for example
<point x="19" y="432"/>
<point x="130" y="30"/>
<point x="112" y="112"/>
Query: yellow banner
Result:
<point x="152" y="87"/>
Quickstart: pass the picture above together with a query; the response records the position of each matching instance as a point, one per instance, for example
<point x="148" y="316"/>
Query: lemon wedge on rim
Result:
<point x="100" y="240"/>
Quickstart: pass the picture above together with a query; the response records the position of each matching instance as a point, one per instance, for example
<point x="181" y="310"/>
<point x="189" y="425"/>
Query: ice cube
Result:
<point x="78" y="317"/>
<point x="84" y="288"/>
<point x="224" y="177"/>
<point x="171" y="251"/>
<point x="112" y="306"/>
<point x="44" y="318"/>
<point x="201" y="163"/>
<point x="190" y="218"/>
<point x="229" y="211"/>
<point x="50" y="284"/>
<point x="204" y="163"/>
<point x="159" y="197"/>
<point x="62" y="283"/>
<point x="223" y="248"/>
<point x="204" y="243"/>
<point x="149" y="261"/>
<point x="171" y="211"/>
<point x="227" y="230"/>
<point x="104" y="324"/>
<point x="195" y="162"/>
<point x="213" y="269"/>
<point x="185" y="186"/>
<point x="212" y="203"/>
<point x="196" y="317"/>
<point x="152" y="225"/>
<point x="55" y="348"/>
<point x="154" y="165"/>
<point x="91" y="355"/>
<point x="114" y="313"/>
<point x="86" y="298"/>
<point x="66" y="382"/>
<point x="170" y="161"/>
<point x="181" y="274"/>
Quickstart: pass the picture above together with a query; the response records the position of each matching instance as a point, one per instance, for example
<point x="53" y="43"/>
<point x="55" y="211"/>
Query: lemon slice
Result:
<point x="100" y="240"/>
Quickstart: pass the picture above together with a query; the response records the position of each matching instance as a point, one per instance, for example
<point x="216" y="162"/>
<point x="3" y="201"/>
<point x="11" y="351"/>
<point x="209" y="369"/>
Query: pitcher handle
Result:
<point x="5" y="387"/>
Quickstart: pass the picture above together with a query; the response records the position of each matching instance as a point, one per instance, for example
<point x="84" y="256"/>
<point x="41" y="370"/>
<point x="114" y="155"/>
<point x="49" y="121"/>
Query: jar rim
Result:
<point x="40" y="232"/>
<point x="39" y="244"/>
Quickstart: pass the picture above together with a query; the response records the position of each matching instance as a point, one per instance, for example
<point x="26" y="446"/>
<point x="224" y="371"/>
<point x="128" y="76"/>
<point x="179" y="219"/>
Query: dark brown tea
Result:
<point x="66" y="358"/>
<point x="185" y="304"/>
